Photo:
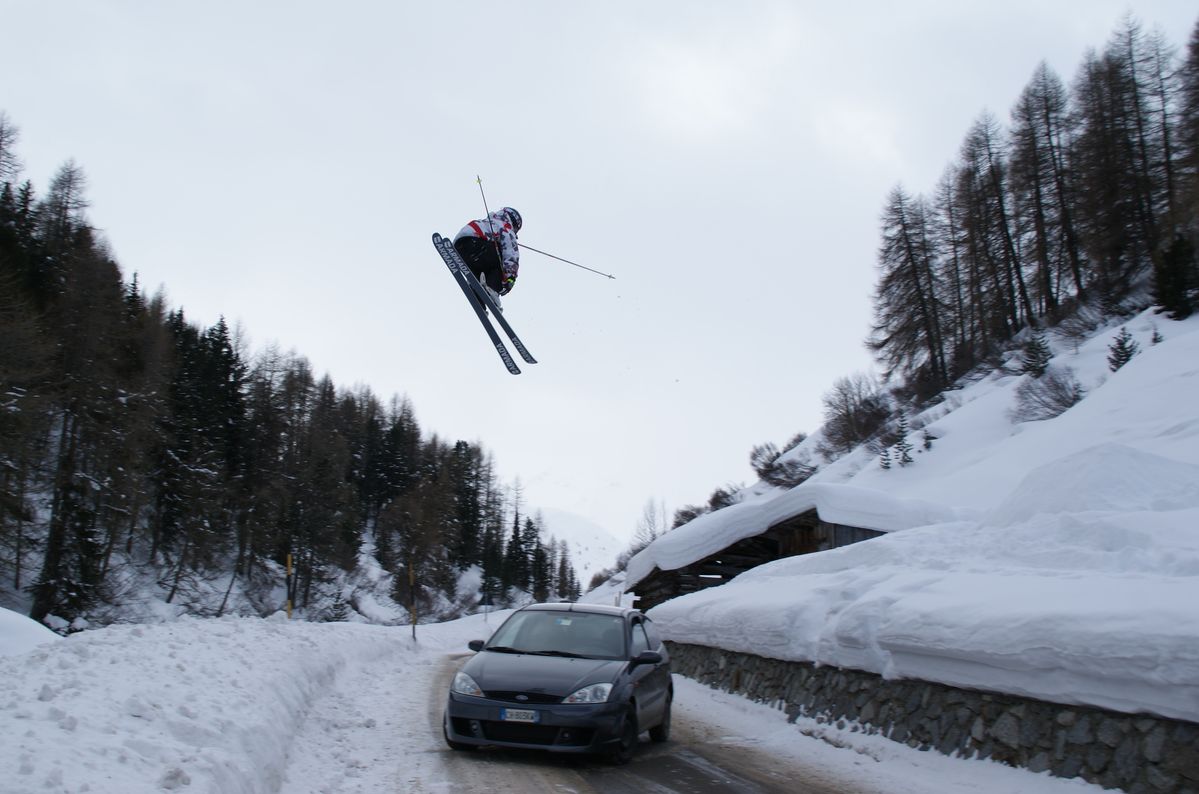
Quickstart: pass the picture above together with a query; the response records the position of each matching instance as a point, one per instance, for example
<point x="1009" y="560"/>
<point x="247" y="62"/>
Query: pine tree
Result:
<point x="565" y="577"/>
<point x="516" y="558"/>
<point x="9" y="165"/>
<point x="884" y="458"/>
<point x="1121" y="350"/>
<point x="1175" y="277"/>
<point x="1188" y="126"/>
<point x="541" y="580"/>
<point x="903" y="449"/>
<point x="1036" y="355"/>
<point x="339" y="611"/>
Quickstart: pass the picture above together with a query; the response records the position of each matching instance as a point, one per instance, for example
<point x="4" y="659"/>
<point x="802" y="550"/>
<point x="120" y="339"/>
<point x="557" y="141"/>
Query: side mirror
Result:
<point x="475" y="645"/>
<point x="647" y="657"/>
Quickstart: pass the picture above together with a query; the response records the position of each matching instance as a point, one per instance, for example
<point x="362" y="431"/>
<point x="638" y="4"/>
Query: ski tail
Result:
<point x="486" y="299"/>
<point x="464" y="278"/>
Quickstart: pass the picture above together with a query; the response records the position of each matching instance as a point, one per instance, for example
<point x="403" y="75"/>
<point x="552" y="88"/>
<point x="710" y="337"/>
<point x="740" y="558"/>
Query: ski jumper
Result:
<point x="489" y="248"/>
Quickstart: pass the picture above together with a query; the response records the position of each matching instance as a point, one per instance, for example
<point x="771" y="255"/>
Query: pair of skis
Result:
<point x="482" y="303"/>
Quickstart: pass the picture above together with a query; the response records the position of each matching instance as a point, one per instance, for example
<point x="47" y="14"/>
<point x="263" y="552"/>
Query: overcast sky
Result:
<point x="283" y="164"/>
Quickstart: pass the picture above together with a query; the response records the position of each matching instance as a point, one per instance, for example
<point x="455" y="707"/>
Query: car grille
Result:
<point x="535" y="734"/>
<point x="521" y="733"/>
<point x="524" y="697"/>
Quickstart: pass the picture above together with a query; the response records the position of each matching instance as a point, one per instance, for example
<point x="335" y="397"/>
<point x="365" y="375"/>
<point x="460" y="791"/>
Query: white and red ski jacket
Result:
<point x="496" y="227"/>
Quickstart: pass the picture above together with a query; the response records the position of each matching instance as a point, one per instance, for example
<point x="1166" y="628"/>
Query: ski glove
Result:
<point x="509" y="283"/>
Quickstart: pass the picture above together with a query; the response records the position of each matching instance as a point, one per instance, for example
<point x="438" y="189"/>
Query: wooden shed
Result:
<point x="800" y="534"/>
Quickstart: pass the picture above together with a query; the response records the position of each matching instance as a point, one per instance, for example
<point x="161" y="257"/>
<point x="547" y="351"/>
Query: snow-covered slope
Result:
<point x="19" y="634"/>
<point x="592" y="548"/>
<point x="1071" y="572"/>
<point x="192" y="705"/>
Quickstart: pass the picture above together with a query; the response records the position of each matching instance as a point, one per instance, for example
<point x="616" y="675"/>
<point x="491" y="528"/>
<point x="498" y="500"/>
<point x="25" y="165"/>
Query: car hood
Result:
<point x="550" y="675"/>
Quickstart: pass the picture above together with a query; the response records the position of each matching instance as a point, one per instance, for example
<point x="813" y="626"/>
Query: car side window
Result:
<point x="640" y="640"/>
<point x="651" y="631"/>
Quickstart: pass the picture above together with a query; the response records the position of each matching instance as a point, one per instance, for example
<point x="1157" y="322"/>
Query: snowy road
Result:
<point x="379" y="730"/>
<point x="248" y="706"/>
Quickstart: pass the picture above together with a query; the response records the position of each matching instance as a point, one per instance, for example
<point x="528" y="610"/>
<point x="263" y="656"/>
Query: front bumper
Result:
<point x="560" y="728"/>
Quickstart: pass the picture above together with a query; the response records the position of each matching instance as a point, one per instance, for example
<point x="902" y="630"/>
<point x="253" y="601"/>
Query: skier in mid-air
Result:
<point x="488" y="251"/>
<point x="489" y="248"/>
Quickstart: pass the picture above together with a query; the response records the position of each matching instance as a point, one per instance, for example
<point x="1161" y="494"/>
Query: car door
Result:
<point x="661" y="670"/>
<point x="651" y="681"/>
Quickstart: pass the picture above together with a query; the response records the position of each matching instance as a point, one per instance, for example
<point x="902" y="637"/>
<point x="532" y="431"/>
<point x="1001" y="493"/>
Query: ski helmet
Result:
<point x="513" y="217"/>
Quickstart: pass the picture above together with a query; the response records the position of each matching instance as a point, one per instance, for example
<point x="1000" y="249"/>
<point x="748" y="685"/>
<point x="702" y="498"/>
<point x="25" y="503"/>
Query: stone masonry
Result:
<point x="1138" y="753"/>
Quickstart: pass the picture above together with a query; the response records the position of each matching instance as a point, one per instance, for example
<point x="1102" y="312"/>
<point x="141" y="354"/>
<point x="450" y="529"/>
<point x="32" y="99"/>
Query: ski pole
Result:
<point x="499" y="255"/>
<point x="567" y="261"/>
<point x="479" y="179"/>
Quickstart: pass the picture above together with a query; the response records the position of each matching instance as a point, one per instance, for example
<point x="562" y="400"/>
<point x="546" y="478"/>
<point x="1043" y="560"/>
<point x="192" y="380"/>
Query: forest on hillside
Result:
<point x="1084" y="207"/>
<point x="141" y="453"/>
<point x="1089" y="194"/>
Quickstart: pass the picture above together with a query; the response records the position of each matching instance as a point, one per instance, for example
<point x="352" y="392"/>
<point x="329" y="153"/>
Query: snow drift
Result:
<point x="1055" y="559"/>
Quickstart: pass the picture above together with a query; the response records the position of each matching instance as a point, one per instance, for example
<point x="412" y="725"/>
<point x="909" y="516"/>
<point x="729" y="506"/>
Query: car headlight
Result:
<point x="595" y="693"/>
<point x="465" y="685"/>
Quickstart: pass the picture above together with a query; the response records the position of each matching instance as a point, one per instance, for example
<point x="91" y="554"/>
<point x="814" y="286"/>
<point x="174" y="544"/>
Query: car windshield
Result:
<point x="559" y="633"/>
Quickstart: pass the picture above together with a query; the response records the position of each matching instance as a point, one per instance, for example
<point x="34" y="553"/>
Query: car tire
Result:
<point x="622" y="751"/>
<point x="661" y="732"/>
<point x="453" y="744"/>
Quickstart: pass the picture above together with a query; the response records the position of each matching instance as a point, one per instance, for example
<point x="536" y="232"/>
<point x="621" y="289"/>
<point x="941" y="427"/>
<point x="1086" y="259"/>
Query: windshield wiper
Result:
<point x="503" y="649"/>
<point x="567" y="654"/>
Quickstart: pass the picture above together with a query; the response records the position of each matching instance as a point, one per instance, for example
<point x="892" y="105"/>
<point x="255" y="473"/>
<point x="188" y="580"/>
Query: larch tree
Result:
<point x="1040" y="188"/>
<point x="907" y="334"/>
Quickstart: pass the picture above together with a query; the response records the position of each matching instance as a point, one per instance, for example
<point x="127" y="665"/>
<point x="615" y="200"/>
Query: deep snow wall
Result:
<point x="1137" y="753"/>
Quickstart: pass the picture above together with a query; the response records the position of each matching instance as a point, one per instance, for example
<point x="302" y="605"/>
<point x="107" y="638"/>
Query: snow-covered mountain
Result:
<point x="1055" y="558"/>
<point x="592" y="548"/>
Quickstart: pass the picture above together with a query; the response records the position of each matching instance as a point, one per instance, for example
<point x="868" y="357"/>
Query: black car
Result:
<point x="569" y="678"/>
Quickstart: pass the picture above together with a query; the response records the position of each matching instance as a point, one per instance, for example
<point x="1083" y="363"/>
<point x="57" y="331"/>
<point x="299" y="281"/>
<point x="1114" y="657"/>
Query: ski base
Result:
<point x="481" y="302"/>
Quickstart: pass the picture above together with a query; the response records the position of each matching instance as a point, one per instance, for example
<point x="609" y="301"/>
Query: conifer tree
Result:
<point x="1037" y="355"/>
<point x="1175" y="278"/>
<point x="85" y="307"/>
<point x="1041" y="187"/>
<point x="907" y="332"/>
<point x="9" y="164"/>
<point x="565" y="577"/>
<point x="541" y="580"/>
<point x="1120" y="155"/>
<point x="1121" y="350"/>
<point x="990" y="229"/>
<point x="516" y="557"/>
<point x="903" y="449"/>
<point x="1188" y="127"/>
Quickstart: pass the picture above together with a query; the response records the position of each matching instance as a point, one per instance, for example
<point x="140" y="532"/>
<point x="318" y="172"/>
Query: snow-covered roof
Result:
<point x="835" y="503"/>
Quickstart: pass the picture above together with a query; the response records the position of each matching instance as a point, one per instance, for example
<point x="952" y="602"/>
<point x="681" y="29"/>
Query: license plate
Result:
<point x="518" y="715"/>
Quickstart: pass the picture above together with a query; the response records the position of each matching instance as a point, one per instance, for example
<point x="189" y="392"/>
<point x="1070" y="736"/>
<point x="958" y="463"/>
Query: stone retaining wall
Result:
<point x="1137" y="753"/>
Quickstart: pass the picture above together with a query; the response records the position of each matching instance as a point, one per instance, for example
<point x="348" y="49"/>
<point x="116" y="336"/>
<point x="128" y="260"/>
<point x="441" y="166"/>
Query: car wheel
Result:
<point x="622" y="752"/>
<point x="453" y="744"/>
<point x="661" y="731"/>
